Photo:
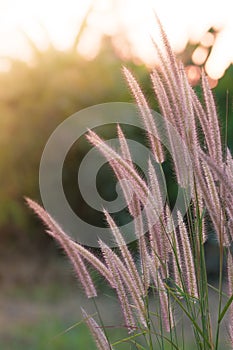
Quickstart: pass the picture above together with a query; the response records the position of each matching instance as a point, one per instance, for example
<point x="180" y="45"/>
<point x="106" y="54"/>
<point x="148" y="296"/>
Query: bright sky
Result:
<point x="130" y="21"/>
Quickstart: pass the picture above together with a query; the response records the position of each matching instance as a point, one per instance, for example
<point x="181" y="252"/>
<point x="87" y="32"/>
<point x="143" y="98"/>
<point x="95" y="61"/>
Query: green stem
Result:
<point x="220" y="291"/>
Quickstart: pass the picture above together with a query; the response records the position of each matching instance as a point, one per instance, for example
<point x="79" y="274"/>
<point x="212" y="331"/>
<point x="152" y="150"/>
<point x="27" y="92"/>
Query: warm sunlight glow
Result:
<point x="199" y="55"/>
<point x="212" y="82"/>
<point x="207" y="40"/>
<point x="221" y="56"/>
<point x="44" y="22"/>
<point x="193" y="73"/>
<point x="131" y="23"/>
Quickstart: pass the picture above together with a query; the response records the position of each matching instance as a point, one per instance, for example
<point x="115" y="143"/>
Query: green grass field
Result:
<point x="46" y="335"/>
<point x="48" y="318"/>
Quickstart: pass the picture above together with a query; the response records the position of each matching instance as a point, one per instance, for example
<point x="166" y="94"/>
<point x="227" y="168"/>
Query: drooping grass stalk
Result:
<point x="98" y="334"/>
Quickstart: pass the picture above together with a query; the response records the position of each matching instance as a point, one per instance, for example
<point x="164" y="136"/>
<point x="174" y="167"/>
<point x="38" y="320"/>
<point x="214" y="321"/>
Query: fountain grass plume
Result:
<point x="171" y="266"/>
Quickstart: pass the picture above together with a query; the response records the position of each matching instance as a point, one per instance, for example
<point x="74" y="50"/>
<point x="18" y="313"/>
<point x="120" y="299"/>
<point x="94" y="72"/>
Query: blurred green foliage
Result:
<point x="46" y="335"/>
<point x="35" y="99"/>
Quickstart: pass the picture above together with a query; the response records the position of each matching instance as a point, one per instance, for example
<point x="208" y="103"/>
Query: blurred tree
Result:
<point x="33" y="101"/>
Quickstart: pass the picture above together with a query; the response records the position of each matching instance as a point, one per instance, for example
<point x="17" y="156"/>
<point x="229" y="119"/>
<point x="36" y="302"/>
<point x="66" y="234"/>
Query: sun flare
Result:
<point x="130" y="23"/>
